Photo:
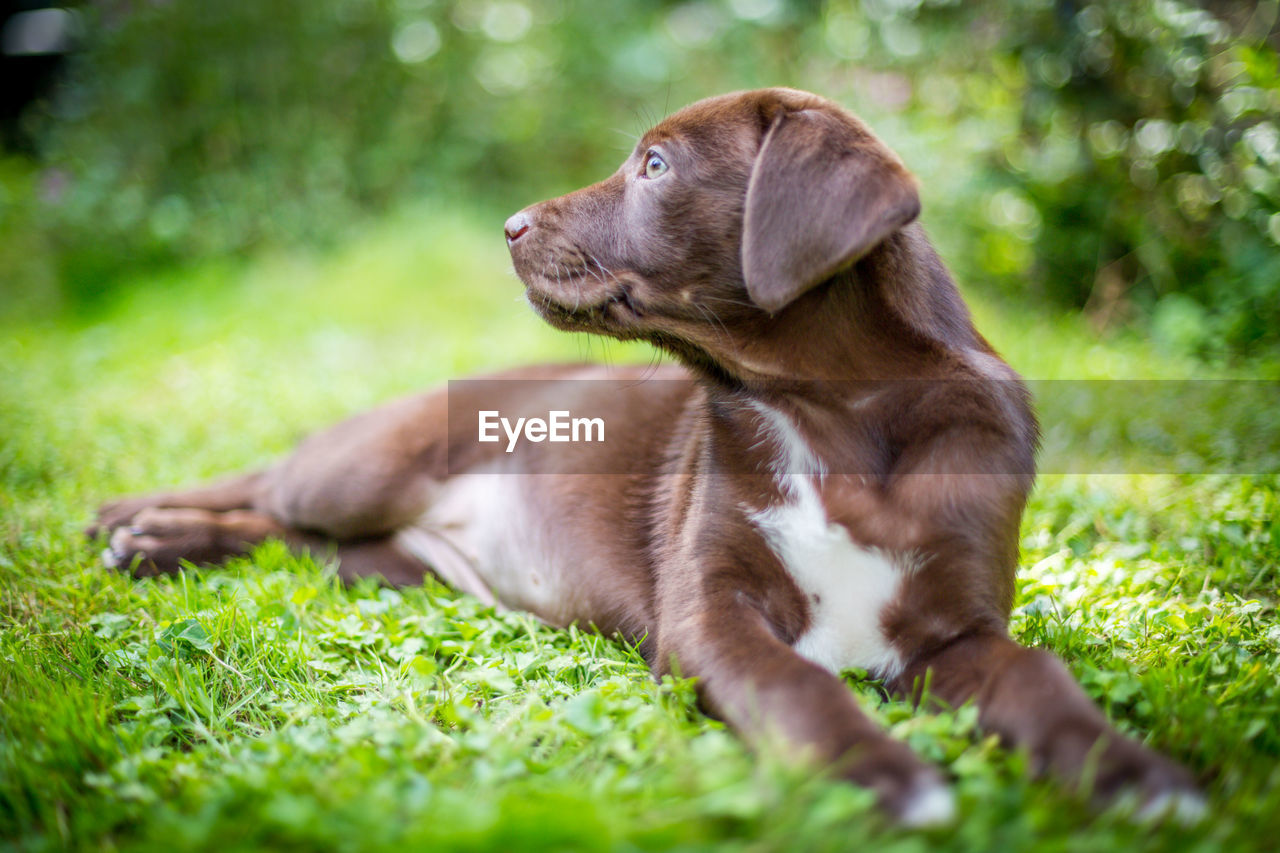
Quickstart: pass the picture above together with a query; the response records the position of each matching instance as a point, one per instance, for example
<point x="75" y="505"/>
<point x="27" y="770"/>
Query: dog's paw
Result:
<point x="1148" y="787"/>
<point x="157" y="541"/>
<point x="131" y="549"/>
<point x="912" y="792"/>
<point x="114" y="514"/>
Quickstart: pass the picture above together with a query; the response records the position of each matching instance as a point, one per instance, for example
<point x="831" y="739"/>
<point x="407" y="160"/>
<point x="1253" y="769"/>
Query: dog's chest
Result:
<point x="846" y="585"/>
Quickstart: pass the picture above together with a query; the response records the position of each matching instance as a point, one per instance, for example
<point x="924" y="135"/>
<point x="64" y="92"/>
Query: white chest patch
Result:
<point x="847" y="585"/>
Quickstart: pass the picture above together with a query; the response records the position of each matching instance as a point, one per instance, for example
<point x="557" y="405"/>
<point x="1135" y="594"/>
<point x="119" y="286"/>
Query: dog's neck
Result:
<point x="895" y="314"/>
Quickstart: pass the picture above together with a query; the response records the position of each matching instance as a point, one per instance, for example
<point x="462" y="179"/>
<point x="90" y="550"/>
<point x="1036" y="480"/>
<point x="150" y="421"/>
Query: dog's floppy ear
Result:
<point x="823" y="192"/>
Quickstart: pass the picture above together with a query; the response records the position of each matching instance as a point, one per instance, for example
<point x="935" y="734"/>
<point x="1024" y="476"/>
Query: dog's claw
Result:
<point x="1185" y="808"/>
<point x="929" y="807"/>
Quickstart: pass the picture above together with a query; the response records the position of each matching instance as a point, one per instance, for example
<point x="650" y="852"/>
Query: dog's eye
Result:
<point x="654" y="165"/>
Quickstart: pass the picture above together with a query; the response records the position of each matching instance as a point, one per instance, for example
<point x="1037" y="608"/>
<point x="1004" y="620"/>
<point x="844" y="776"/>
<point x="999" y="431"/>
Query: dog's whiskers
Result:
<point x="717" y="325"/>
<point x="602" y="267"/>
<point x="739" y="302"/>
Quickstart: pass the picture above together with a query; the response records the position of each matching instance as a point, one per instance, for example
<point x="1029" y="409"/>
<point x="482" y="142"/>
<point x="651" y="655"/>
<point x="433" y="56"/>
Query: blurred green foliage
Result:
<point x="1150" y="156"/>
<point x="1115" y="157"/>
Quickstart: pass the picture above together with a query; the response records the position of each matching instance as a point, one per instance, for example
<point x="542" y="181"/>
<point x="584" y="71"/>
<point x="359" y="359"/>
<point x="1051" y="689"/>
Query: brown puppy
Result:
<point x="834" y="480"/>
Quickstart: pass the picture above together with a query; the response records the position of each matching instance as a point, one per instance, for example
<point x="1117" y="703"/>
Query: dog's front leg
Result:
<point x="764" y="689"/>
<point x="1028" y="698"/>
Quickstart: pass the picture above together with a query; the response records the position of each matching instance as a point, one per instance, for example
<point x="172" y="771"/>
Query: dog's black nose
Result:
<point x="516" y="226"/>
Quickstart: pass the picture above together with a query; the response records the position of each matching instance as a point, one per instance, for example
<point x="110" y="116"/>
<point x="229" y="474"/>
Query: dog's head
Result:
<point x="725" y="214"/>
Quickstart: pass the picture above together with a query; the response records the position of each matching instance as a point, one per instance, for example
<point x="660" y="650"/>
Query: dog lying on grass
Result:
<point x="833" y="478"/>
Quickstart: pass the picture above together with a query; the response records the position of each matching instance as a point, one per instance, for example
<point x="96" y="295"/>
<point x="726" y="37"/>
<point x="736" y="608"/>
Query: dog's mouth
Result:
<point x="614" y="313"/>
<point x="580" y="300"/>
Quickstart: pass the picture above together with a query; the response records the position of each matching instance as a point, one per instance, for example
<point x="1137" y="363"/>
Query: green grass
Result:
<point x="266" y="706"/>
